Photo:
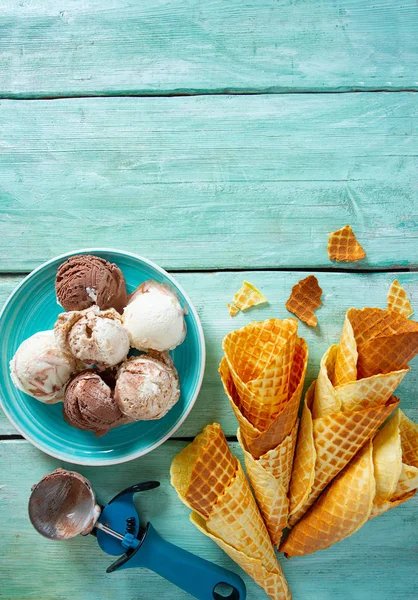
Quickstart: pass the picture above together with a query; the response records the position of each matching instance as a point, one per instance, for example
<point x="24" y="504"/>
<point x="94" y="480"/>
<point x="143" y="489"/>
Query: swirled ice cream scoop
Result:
<point x="93" y="336"/>
<point x="154" y="318"/>
<point x="147" y="386"/>
<point x="89" y="404"/>
<point x="39" y="368"/>
<point x="85" y="280"/>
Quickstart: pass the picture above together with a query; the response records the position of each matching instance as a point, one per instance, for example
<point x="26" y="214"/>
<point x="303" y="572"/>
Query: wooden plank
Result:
<point x="210" y="182"/>
<point x="377" y="563"/>
<point x="91" y="47"/>
<point x="211" y="291"/>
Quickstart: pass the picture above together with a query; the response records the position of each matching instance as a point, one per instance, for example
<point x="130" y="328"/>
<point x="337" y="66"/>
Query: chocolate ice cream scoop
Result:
<point x="89" y="404"/>
<point x="84" y="280"/>
<point x="147" y="386"/>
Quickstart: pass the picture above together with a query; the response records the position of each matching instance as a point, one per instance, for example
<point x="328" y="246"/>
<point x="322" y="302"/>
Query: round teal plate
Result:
<point x="33" y="307"/>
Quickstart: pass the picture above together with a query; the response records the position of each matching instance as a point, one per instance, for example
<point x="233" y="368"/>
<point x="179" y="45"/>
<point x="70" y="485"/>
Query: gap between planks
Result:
<point x="225" y="92"/>
<point x="209" y="270"/>
<point x="13" y="437"/>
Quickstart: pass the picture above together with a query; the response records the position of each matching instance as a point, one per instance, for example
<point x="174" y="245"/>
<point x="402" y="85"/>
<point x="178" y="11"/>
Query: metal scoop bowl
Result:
<point x="63" y="505"/>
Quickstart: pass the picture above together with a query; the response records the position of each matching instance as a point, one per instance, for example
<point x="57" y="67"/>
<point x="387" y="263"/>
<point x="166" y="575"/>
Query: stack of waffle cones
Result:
<point x="263" y="371"/>
<point x="343" y="471"/>
<point x="350" y="400"/>
<point x="210" y="480"/>
<point x="383" y="475"/>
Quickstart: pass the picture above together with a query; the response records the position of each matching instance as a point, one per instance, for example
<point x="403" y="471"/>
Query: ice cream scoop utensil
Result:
<point x="63" y="505"/>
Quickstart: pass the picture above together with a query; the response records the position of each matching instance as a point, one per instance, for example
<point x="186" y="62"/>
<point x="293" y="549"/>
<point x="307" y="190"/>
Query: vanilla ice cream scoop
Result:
<point x="154" y="318"/>
<point x="39" y="368"/>
<point x="147" y="387"/>
<point x="93" y="336"/>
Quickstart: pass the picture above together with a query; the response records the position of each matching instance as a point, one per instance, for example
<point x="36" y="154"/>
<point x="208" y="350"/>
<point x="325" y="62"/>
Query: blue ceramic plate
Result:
<point x="33" y="307"/>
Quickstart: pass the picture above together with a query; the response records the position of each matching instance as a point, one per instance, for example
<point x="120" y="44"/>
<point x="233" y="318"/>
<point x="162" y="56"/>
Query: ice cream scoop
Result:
<point x="63" y="505"/>
<point x="89" y="404"/>
<point x="147" y="386"/>
<point x="39" y="368"/>
<point x="85" y="280"/>
<point x="154" y="318"/>
<point x="93" y="336"/>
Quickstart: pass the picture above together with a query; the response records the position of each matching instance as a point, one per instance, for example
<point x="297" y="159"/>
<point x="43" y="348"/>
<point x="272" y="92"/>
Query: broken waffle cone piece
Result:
<point x="248" y="295"/>
<point x="343" y="246"/>
<point x="383" y="475"/>
<point x="210" y="480"/>
<point x="305" y="299"/>
<point x="398" y="300"/>
<point x="233" y="310"/>
<point x="263" y="373"/>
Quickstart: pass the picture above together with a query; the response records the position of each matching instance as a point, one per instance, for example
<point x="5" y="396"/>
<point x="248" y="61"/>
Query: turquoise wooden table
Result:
<point x="223" y="140"/>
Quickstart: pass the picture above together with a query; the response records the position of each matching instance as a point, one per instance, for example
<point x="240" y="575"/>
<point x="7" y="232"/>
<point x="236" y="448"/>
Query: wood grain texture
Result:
<point x="213" y="181"/>
<point x="377" y="563"/>
<point x="90" y="47"/>
<point x="210" y="293"/>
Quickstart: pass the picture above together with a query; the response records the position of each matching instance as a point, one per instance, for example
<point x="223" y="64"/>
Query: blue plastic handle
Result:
<point x="192" y="574"/>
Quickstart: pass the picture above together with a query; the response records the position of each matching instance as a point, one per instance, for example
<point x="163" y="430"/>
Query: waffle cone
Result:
<point x="260" y="357"/>
<point x="350" y="400"/>
<point x="364" y="393"/>
<point x="326" y="444"/>
<point x="383" y="475"/>
<point x="395" y="453"/>
<point x="203" y="470"/>
<point x="225" y="507"/>
<point x="340" y="511"/>
<point x="270" y="477"/>
<point x="345" y="370"/>
<point x="387" y="353"/>
<point x="386" y="340"/>
<point x="259" y="441"/>
<point x="273" y="583"/>
<point x="268" y="443"/>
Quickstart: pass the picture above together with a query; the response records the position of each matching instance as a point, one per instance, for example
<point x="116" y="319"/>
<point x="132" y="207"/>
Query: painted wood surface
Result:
<point x="377" y="563"/>
<point x="213" y="181"/>
<point x="163" y="46"/>
<point x="210" y="293"/>
<point x="202" y="184"/>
